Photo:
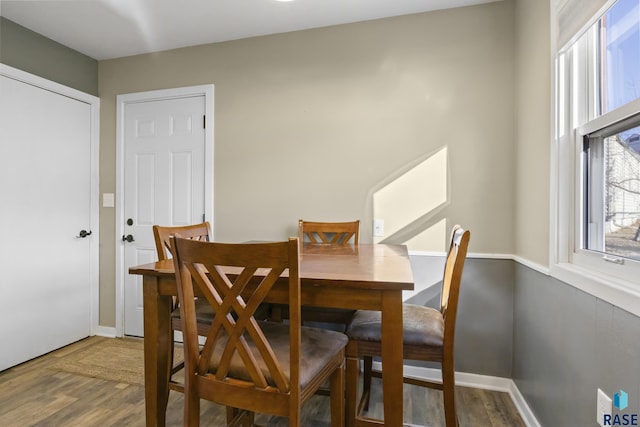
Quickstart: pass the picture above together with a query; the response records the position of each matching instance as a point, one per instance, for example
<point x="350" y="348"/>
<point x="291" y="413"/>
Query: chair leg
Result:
<point x="351" y="391"/>
<point x="191" y="408"/>
<point x="337" y="397"/>
<point x="232" y="413"/>
<point x="238" y="417"/>
<point x="171" y="354"/>
<point x="249" y="419"/>
<point x="276" y="313"/>
<point x="449" y="395"/>
<point x="295" y="418"/>
<point x="366" y="380"/>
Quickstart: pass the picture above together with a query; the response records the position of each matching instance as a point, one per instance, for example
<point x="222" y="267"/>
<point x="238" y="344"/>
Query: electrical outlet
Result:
<point x="378" y="228"/>
<point x="604" y="407"/>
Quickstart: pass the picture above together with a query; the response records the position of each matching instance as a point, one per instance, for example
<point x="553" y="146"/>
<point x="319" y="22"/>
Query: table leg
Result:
<point x="157" y="345"/>
<point x="392" y="357"/>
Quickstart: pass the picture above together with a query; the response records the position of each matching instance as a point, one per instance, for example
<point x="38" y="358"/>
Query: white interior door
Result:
<point x="45" y="188"/>
<point x="164" y="182"/>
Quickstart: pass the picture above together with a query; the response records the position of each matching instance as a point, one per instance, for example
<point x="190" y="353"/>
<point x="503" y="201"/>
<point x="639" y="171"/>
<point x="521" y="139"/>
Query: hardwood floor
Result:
<point x="32" y="394"/>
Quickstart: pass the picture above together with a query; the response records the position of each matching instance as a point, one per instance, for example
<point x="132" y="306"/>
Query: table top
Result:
<point x="371" y="266"/>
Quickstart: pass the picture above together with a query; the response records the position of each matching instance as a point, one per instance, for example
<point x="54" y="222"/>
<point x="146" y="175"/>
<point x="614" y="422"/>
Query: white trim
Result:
<point x="469" y="255"/>
<point x="612" y="117"/>
<point x="202" y="90"/>
<point x="49" y="85"/>
<point x="532" y="265"/>
<point x="522" y="406"/>
<point x="618" y="292"/>
<point x="105" y="331"/>
<point x="484" y="382"/>
<point x="426" y="253"/>
<point x="584" y="15"/>
<point x="94" y="105"/>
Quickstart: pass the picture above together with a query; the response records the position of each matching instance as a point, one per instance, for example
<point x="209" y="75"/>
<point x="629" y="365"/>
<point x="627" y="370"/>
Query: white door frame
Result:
<point x="94" y="104"/>
<point x="156" y="95"/>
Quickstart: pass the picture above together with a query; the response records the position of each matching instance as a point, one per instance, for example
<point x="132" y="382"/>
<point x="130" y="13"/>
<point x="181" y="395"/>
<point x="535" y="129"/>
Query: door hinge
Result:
<point x="204" y="122"/>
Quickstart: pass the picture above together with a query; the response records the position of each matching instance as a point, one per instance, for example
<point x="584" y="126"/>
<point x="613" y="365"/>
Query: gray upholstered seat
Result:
<point x="204" y="312"/>
<point x="420" y="326"/>
<point x="317" y="347"/>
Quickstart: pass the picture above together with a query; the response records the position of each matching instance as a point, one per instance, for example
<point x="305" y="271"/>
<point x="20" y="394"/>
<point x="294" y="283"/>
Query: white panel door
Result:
<point x="45" y="170"/>
<point x="164" y="182"/>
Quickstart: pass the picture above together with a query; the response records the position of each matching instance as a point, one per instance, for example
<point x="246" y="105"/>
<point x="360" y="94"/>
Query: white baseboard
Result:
<point x="484" y="382"/>
<point x="104" y="331"/>
<point x="521" y="405"/>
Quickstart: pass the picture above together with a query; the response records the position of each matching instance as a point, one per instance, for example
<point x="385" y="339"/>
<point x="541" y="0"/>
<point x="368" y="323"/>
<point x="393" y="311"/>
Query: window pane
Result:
<point x="613" y="192"/>
<point x="620" y="29"/>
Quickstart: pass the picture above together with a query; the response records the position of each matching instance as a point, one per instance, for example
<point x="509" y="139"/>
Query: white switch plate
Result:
<point x="378" y="228"/>
<point x="108" y="200"/>
<point x="604" y="407"/>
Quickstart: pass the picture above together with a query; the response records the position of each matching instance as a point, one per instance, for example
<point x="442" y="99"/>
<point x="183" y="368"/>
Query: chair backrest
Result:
<point x="334" y="233"/>
<point x="162" y="234"/>
<point x="451" y="280"/>
<point x="225" y="273"/>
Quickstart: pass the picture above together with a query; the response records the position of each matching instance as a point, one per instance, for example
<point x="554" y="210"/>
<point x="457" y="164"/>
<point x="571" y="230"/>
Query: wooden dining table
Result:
<point x="366" y="276"/>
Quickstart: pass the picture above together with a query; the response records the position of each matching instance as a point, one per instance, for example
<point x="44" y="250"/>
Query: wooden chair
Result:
<point x="428" y="335"/>
<point x="162" y="234"/>
<point x="252" y="365"/>
<point x="333" y="233"/>
<point x="329" y="233"/>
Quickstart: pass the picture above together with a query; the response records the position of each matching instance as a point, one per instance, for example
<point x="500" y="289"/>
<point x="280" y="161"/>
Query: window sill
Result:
<point x="621" y="293"/>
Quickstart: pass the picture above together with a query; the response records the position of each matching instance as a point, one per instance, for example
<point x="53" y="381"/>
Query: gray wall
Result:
<point x="29" y="51"/>
<point x="567" y="344"/>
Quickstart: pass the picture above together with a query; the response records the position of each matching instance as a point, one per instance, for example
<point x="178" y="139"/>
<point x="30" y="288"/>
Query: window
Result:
<point x="597" y="222"/>
<point x="611" y="160"/>
<point x="620" y="41"/>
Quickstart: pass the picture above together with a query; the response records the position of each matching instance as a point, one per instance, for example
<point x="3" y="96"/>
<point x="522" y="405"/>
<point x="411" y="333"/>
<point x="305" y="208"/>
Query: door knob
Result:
<point x="83" y="233"/>
<point x="128" y="238"/>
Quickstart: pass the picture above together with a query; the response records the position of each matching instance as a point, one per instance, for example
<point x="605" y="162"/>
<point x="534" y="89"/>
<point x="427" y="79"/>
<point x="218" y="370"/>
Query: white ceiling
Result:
<point x="104" y="29"/>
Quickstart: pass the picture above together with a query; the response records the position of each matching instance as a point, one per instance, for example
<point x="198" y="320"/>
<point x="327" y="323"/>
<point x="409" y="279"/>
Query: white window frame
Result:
<point x="575" y="108"/>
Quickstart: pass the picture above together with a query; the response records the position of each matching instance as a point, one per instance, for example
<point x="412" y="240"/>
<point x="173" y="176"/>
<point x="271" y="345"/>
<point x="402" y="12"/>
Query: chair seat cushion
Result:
<point x="327" y="314"/>
<point x="318" y="347"/>
<point x="204" y="311"/>
<point x="420" y="326"/>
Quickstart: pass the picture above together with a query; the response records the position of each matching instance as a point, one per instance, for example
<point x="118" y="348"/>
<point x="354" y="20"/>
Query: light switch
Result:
<point x="108" y="200"/>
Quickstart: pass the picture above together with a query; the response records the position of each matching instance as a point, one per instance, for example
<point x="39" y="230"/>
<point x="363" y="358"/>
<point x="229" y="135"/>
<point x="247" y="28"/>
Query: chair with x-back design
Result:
<point x="162" y="234"/>
<point x="248" y="364"/>
<point x="332" y="233"/>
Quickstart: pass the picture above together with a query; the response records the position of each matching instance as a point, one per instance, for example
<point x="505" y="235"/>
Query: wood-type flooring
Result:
<point x="32" y="394"/>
